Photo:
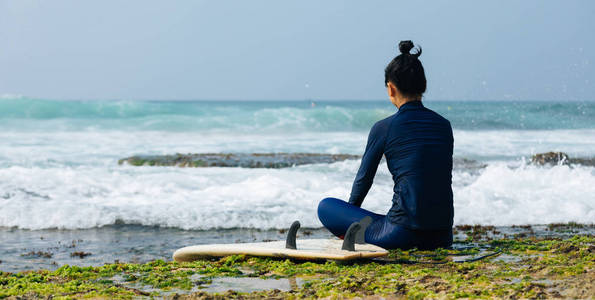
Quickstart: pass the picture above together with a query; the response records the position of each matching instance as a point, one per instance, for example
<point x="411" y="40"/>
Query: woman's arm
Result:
<point x="370" y="160"/>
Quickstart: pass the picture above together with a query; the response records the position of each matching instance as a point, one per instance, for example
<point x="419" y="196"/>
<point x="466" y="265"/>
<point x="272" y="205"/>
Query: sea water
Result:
<point x="59" y="162"/>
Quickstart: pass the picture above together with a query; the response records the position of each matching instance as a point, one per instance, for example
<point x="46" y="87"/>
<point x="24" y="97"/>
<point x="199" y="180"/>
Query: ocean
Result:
<point x="59" y="163"/>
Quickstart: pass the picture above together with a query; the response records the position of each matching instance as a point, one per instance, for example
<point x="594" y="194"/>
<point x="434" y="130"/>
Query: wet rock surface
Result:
<point x="546" y="261"/>
<point x="511" y="268"/>
<point x="261" y="160"/>
<point x="560" y="158"/>
<point x="286" y="160"/>
<point x="243" y="160"/>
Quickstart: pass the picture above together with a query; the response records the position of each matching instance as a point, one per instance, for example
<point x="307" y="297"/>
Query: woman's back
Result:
<point x="418" y="151"/>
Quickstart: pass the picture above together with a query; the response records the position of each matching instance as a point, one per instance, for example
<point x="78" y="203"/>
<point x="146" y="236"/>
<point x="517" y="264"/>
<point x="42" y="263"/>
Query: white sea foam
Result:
<point x="204" y="198"/>
<point x="70" y="179"/>
<point x="490" y="144"/>
<point x="95" y="146"/>
<point x="525" y="194"/>
<point x="86" y="197"/>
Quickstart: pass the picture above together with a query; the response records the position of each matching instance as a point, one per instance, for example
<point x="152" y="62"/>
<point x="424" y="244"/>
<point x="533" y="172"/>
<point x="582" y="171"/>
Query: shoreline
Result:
<point x="25" y="250"/>
<point x="526" y="262"/>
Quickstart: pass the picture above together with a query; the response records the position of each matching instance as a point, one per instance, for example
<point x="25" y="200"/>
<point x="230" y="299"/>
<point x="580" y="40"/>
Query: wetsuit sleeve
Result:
<point x="369" y="165"/>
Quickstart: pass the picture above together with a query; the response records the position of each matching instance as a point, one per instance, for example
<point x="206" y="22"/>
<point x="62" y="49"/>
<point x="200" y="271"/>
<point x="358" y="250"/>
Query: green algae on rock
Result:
<point x="243" y="160"/>
<point x="546" y="267"/>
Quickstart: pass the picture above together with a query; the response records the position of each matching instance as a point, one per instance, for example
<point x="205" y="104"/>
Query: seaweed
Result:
<point x="529" y="268"/>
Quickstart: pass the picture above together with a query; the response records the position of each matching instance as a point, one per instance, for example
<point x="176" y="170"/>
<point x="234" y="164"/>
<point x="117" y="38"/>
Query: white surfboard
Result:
<point x="307" y="249"/>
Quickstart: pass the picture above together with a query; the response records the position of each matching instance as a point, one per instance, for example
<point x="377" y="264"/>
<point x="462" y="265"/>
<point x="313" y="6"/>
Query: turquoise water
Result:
<point x="285" y="115"/>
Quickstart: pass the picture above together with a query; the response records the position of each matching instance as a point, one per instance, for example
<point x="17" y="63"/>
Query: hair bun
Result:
<point x="405" y="46"/>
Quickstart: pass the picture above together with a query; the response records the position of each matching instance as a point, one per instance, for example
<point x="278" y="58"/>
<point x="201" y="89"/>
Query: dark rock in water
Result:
<point x="80" y="254"/>
<point x="553" y="158"/>
<point x="261" y="160"/>
<point x="244" y="160"/>
<point x="40" y="254"/>
<point x="582" y="161"/>
<point x="560" y="158"/>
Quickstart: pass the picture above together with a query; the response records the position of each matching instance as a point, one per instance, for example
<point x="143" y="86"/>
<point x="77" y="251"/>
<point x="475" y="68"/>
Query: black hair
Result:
<point x="406" y="72"/>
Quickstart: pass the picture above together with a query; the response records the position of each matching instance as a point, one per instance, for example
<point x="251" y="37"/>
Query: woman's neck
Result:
<point x="399" y="101"/>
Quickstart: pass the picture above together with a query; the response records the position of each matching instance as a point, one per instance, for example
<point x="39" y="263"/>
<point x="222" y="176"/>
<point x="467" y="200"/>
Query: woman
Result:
<point x="417" y="144"/>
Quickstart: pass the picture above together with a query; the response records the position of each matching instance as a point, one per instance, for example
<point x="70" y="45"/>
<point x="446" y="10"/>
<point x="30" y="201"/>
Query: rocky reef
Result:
<point x="261" y="160"/>
<point x="560" y="158"/>
<point x="286" y="160"/>
<point x="243" y="160"/>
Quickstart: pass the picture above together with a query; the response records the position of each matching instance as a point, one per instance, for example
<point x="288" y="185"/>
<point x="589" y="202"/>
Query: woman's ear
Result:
<point x="391" y="89"/>
<point x="393" y="94"/>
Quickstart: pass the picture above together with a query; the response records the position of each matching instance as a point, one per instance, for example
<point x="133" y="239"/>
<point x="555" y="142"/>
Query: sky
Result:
<point x="294" y="50"/>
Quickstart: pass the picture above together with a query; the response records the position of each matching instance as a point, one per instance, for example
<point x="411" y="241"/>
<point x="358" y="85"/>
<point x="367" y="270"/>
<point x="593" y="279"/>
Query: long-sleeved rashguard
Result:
<point x="418" y="145"/>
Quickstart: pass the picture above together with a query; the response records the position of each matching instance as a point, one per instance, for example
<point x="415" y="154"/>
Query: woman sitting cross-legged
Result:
<point x="417" y="144"/>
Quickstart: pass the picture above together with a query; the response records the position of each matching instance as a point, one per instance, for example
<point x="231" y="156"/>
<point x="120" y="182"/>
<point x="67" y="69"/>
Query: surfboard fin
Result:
<point x="291" y="233"/>
<point x="360" y="237"/>
<point x="356" y="234"/>
<point x="349" y="239"/>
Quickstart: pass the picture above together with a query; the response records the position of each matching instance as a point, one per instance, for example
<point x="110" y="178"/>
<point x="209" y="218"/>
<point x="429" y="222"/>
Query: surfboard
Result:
<point x="306" y="249"/>
<point x="352" y="247"/>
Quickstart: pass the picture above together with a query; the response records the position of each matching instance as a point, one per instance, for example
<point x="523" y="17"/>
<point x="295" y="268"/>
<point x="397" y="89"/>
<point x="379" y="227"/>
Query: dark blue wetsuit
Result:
<point x="417" y="144"/>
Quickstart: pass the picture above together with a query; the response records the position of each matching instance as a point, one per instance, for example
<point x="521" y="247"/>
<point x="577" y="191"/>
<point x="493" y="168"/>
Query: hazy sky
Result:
<point x="472" y="50"/>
